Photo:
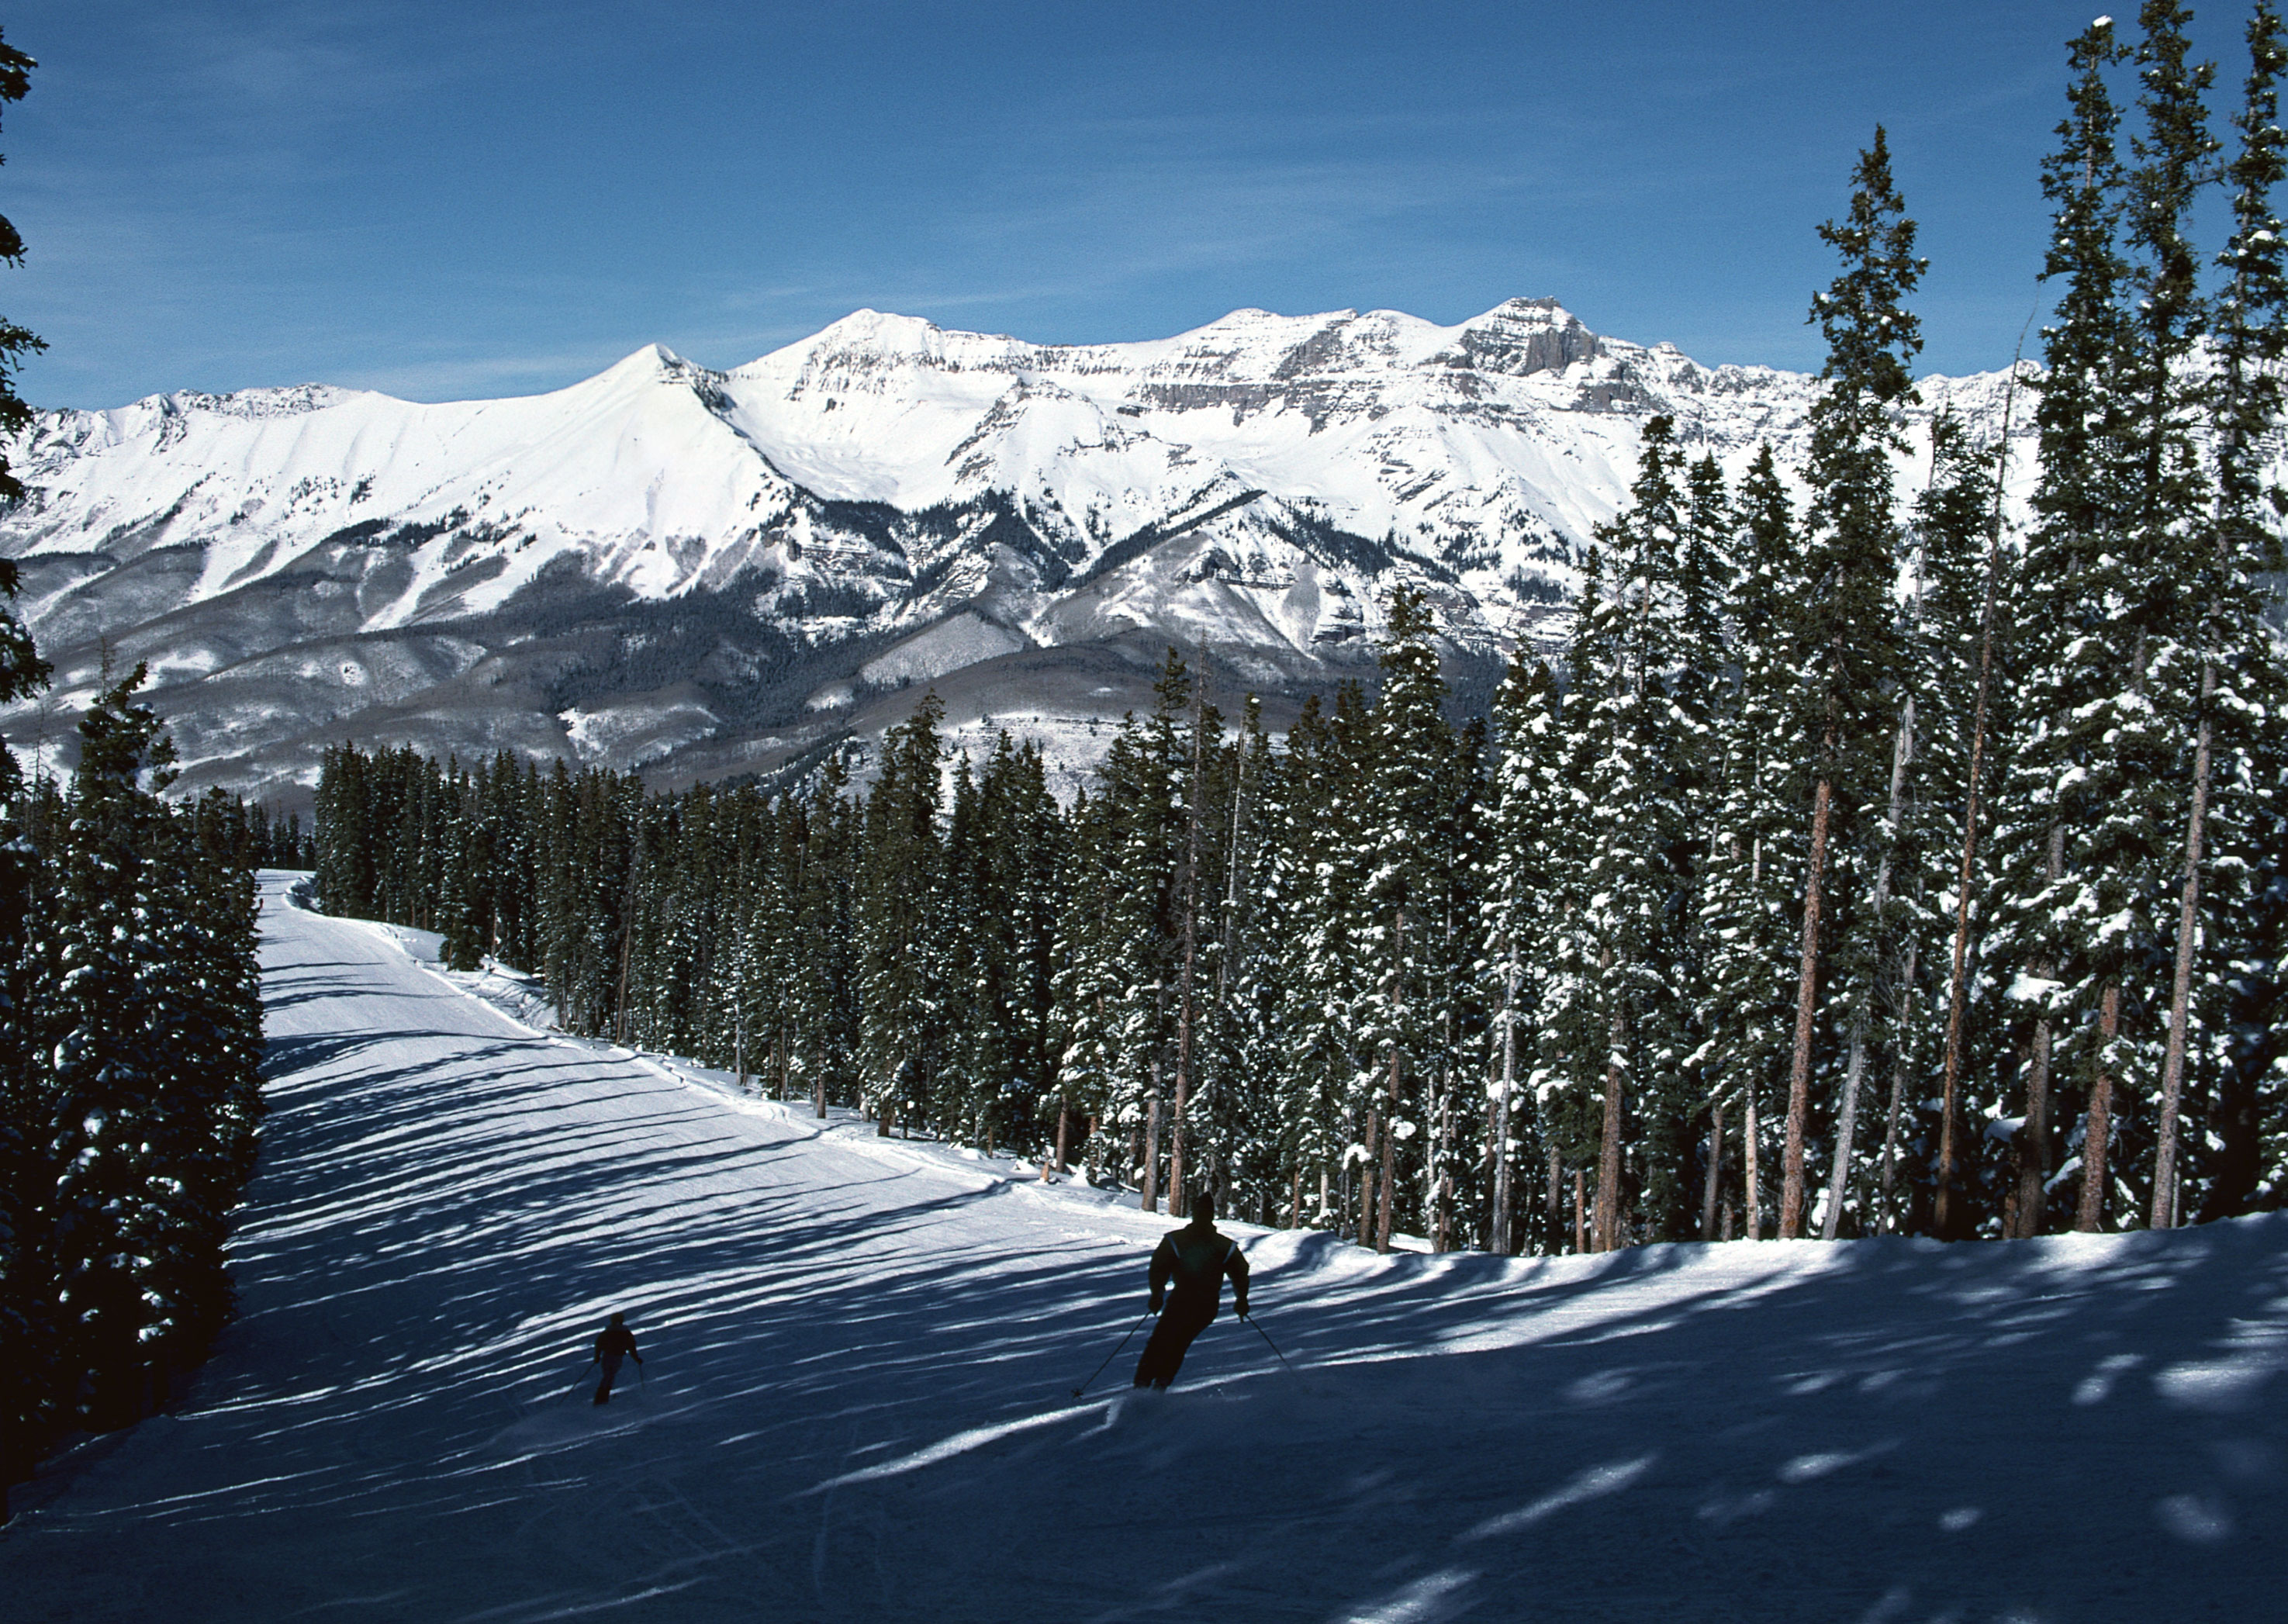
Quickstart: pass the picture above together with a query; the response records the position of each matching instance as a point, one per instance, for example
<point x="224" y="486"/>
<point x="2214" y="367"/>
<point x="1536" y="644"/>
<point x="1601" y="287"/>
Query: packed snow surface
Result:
<point x="861" y="1353"/>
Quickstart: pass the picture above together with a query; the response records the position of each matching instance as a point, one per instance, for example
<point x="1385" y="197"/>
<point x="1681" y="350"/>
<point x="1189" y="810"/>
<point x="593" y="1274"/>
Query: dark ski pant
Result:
<point x="611" y="1375"/>
<point x="1163" y="1354"/>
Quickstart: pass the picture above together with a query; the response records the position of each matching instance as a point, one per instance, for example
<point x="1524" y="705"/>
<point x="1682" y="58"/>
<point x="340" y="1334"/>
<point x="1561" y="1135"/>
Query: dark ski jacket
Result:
<point x="1197" y="1258"/>
<point x="616" y="1341"/>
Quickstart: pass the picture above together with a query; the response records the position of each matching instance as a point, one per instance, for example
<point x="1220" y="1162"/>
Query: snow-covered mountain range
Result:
<point x="710" y="572"/>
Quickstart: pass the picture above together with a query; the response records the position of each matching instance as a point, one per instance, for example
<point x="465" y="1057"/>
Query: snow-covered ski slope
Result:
<point x="859" y="1357"/>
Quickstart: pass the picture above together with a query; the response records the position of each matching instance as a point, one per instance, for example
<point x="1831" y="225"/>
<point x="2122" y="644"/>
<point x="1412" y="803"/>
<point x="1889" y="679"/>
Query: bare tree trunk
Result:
<point x="1064" y="1125"/>
<point x="1190" y="893"/>
<point x="2173" y="1068"/>
<point x="1553" y="1205"/>
<point x="1891" y="1116"/>
<point x="1442" y="1232"/>
<point x="1580" y="1222"/>
<point x="2034" y="1137"/>
<point x="1389" y="1179"/>
<point x="1806" y="1005"/>
<point x="1708" y="1189"/>
<point x="627" y="948"/>
<point x="1151" y="1203"/>
<point x="1366" y="1178"/>
<point x="2096" y="1137"/>
<point x="1608" y="1148"/>
<point x="1846" y="1122"/>
<point x="1500" y="1226"/>
<point x="1947" y="1216"/>
<point x="1748" y="1138"/>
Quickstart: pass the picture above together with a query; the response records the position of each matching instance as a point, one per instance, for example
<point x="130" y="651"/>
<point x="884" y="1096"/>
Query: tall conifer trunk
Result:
<point x="1552" y="1208"/>
<point x="1388" y="1180"/>
<point x="1749" y="1138"/>
<point x="2172" y="1069"/>
<point x="1151" y="1202"/>
<point x="1891" y="1140"/>
<point x="1903" y="751"/>
<point x="1190" y="893"/>
<point x="1807" y="1008"/>
<point x="2034" y="1137"/>
<point x="1366" y="1178"/>
<point x="1608" y="1149"/>
<point x="1846" y="1118"/>
<point x="2098" y="1134"/>
<point x="1500" y="1228"/>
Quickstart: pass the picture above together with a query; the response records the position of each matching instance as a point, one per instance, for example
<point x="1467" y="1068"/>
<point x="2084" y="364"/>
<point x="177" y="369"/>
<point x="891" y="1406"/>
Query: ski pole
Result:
<point x="1274" y="1346"/>
<point x="1114" y="1354"/>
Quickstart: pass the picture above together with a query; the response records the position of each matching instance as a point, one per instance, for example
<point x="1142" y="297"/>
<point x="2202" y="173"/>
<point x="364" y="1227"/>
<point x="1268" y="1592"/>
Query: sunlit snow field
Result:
<point x="856" y="1403"/>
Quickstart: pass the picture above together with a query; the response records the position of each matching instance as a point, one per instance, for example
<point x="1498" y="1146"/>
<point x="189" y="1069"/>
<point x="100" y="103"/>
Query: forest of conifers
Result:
<point x="1862" y="865"/>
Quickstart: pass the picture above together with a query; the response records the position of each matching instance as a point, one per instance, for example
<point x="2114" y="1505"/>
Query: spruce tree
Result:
<point x="1847" y="652"/>
<point x="2236" y="709"/>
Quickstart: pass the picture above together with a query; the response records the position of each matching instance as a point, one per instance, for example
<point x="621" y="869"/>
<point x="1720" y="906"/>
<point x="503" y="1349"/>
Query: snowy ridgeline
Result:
<point x="859" y="1354"/>
<point x="710" y="574"/>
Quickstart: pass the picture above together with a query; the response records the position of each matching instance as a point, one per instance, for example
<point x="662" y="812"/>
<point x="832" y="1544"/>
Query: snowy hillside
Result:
<point x="715" y="571"/>
<point x="859" y="1354"/>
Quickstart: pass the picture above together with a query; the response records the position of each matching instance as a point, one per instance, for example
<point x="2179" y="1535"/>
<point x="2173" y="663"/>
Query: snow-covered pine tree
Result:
<point x="1316" y="811"/>
<point x="1244" y="1061"/>
<point x="2230" y="814"/>
<point x="1644" y="754"/>
<point x="2151" y="638"/>
<point x="2078" y="518"/>
<point x="903" y="1002"/>
<point x="1574" y="1038"/>
<point x="155" y="1017"/>
<point x="822" y="849"/>
<point x="1848" y="653"/>
<point x="1927" y="957"/>
<point x="1523" y="826"/>
<point x="1027" y="876"/>
<point x="1405" y="926"/>
<point x="1751" y="891"/>
<point x="1191" y="760"/>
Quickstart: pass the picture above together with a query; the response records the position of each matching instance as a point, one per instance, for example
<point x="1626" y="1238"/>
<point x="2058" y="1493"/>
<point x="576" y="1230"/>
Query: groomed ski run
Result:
<point x="860" y="1353"/>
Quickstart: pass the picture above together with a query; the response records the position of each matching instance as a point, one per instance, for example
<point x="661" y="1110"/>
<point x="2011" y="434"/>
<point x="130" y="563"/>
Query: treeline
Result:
<point x="1865" y="865"/>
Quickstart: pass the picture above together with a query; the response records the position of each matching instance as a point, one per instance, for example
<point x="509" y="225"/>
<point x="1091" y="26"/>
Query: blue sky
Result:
<point x="446" y="200"/>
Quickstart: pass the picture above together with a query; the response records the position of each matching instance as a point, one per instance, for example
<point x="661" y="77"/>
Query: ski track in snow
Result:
<point x="857" y="1404"/>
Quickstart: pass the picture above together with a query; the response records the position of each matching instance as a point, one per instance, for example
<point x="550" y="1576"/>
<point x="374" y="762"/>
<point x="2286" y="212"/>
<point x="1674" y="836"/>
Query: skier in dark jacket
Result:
<point x="1195" y="1259"/>
<point x="618" y="1343"/>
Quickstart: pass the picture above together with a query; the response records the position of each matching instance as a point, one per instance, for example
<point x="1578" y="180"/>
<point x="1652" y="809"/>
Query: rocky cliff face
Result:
<point x="708" y="573"/>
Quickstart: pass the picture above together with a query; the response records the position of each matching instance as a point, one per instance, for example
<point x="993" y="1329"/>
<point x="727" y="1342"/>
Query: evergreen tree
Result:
<point x="1847" y="650"/>
<point x="2235" y="713"/>
<point x="901" y="979"/>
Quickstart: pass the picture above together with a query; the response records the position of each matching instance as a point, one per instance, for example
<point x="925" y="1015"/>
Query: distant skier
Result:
<point x="1196" y="1259"/>
<point x="618" y="1343"/>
